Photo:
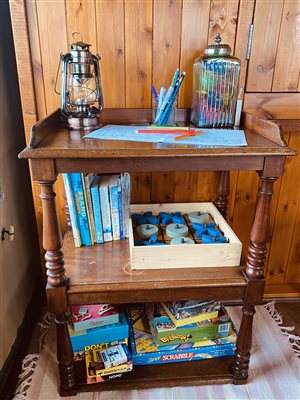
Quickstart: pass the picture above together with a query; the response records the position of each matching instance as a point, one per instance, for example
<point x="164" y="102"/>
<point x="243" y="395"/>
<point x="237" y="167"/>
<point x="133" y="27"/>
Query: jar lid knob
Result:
<point x="218" y="39"/>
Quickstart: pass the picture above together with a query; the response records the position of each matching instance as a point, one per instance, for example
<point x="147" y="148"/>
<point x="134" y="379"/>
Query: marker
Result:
<point x="187" y="135"/>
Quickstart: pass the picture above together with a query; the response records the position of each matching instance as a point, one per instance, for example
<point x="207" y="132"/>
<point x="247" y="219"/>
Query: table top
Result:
<point x="50" y="138"/>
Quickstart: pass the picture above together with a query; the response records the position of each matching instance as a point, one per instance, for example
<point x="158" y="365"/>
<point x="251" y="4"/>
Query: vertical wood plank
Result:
<point x="267" y="20"/>
<point x="162" y="187"/>
<point x="110" y="38"/>
<point x="193" y="40"/>
<point x="51" y="18"/>
<point x="285" y="217"/>
<point x="185" y="185"/>
<point x="26" y="86"/>
<point x="288" y="52"/>
<point x="223" y="20"/>
<point x="23" y="60"/>
<point x="140" y="188"/>
<point x="166" y="56"/>
<point x="245" y="18"/>
<point x="36" y="61"/>
<point x="80" y="17"/>
<point x="166" y="41"/>
<point x="244" y="208"/>
<point x="138" y="53"/>
<point x="293" y="263"/>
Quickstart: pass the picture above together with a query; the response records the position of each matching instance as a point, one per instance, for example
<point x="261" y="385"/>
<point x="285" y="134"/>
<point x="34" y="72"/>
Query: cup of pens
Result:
<point x="164" y="103"/>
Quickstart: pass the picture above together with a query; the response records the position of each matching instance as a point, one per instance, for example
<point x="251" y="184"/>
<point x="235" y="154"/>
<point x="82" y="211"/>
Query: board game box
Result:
<point x="102" y="334"/>
<point x="166" y="333"/>
<point x="187" y="312"/>
<point x="145" y="351"/>
<point x="91" y="316"/>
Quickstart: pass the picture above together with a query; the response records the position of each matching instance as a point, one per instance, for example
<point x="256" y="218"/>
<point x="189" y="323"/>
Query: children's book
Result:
<point x="114" y="197"/>
<point x="94" y="189"/>
<point x="105" y="208"/>
<point x="72" y="210"/>
<point x="81" y="207"/>
<point x="87" y="180"/>
<point x="125" y="184"/>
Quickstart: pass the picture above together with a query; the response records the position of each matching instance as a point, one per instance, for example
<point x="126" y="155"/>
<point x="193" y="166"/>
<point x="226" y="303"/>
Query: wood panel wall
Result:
<point x="142" y="42"/>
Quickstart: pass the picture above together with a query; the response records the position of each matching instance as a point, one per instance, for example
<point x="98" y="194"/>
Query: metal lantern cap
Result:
<point x="218" y="49"/>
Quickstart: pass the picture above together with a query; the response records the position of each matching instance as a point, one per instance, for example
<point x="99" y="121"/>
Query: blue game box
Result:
<point x="102" y="334"/>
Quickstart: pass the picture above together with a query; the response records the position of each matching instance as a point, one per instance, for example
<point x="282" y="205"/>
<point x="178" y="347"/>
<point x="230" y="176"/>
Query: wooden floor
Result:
<point x="290" y="311"/>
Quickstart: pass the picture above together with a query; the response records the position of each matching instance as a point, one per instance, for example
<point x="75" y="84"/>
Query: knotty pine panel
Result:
<point x="142" y="42"/>
<point x="267" y="20"/>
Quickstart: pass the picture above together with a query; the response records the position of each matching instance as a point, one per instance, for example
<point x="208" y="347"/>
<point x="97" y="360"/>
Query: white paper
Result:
<point x="208" y="137"/>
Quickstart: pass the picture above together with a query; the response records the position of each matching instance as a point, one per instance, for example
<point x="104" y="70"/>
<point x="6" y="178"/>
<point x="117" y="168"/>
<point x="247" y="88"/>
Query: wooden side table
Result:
<point x="101" y="273"/>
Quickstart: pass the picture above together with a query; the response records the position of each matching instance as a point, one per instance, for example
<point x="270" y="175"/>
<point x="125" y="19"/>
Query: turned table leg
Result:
<point x="56" y="283"/>
<point x="221" y="201"/>
<point x="255" y="272"/>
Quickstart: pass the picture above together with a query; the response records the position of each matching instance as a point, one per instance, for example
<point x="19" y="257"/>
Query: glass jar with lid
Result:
<point x="215" y="87"/>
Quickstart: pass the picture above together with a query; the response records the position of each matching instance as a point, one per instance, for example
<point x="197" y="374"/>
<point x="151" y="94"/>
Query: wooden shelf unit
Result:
<point x="102" y="272"/>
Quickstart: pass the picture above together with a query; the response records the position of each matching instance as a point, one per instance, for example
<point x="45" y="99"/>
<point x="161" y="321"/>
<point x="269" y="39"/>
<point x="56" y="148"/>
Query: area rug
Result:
<point x="274" y="369"/>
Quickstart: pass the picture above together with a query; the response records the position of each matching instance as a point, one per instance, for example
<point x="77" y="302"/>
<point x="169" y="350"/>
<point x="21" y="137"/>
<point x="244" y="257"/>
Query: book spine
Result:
<point x="88" y="202"/>
<point x="81" y="209"/>
<point x="126" y="203"/>
<point x="97" y="213"/>
<point x="72" y="210"/>
<point x="105" y="211"/>
<point x="120" y="209"/>
<point x="113" y="195"/>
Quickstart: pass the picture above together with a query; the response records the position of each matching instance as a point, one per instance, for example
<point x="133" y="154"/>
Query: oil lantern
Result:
<point x="215" y="87"/>
<point x="81" y="92"/>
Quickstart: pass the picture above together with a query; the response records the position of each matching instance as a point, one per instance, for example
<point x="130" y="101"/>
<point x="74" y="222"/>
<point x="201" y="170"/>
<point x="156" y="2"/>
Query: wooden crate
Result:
<point x="185" y="256"/>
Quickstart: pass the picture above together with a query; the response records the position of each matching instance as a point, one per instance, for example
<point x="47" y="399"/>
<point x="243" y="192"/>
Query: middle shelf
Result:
<point x="102" y="273"/>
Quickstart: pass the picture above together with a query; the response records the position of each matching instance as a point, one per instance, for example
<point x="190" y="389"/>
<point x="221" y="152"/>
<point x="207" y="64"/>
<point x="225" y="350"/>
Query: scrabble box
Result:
<point x="184" y="255"/>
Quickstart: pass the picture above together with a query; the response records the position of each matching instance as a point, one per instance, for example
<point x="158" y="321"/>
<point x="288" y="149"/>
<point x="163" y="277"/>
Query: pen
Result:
<point x="192" y="132"/>
<point x="171" y="99"/>
<point x="161" y="97"/>
<point x="154" y="93"/>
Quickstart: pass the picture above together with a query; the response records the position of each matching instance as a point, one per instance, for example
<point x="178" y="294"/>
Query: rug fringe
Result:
<point x="294" y="340"/>
<point x="30" y="361"/>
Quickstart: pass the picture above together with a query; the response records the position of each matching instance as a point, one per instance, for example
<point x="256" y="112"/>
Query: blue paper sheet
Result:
<point x="209" y="137"/>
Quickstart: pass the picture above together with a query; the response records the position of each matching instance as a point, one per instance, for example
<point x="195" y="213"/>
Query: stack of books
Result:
<point x="99" y="207"/>
<point x="180" y="331"/>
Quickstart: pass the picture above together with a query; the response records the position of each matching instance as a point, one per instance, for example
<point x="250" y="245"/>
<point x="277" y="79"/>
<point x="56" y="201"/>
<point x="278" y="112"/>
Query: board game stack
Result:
<point x="148" y="349"/>
<point x="112" y="363"/>
<point x="167" y="335"/>
<point x="99" y="338"/>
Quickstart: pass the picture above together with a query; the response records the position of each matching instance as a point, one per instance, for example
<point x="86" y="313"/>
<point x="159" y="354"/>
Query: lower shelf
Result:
<point x="202" y="372"/>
